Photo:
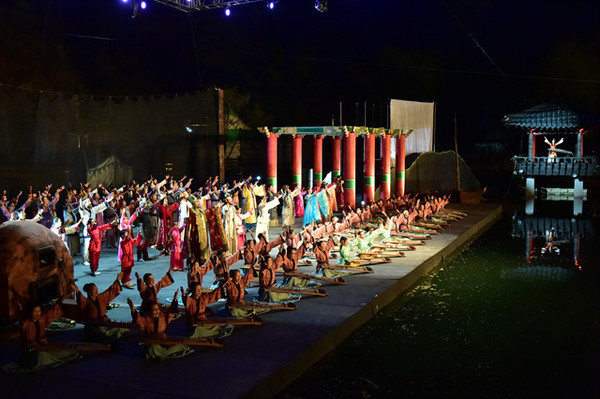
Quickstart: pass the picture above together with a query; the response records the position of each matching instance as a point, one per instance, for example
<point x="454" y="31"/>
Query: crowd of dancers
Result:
<point x="212" y="229"/>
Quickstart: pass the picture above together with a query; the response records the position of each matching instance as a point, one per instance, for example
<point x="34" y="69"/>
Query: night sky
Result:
<point x="297" y="64"/>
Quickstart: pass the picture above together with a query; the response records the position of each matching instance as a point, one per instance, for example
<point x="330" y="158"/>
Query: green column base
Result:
<point x="349" y="184"/>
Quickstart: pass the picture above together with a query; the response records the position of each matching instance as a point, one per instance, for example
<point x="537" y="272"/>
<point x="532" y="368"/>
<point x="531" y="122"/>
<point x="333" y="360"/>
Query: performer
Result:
<point x="184" y="207"/>
<point x="324" y="201"/>
<point x="154" y="325"/>
<point x="197" y="234"/>
<point x="96" y="243"/>
<point x="196" y="308"/>
<point x="264" y="248"/>
<point x="299" y="204"/>
<point x="311" y="212"/>
<point x="267" y="280"/>
<point x="93" y="309"/>
<point x="552" y="145"/>
<point x="234" y="291"/>
<point x="229" y="223"/>
<point x="196" y="273"/>
<point x="274" y="219"/>
<point x="239" y="226"/>
<point x="149" y="223"/>
<point x="165" y="213"/>
<point x="221" y="264"/>
<point x="262" y="225"/>
<point x="250" y="192"/>
<point x="127" y="263"/>
<point x="125" y="224"/>
<point x="87" y="212"/>
<point x="321" y="251"/>
<point x="34" y="341"/>
<point x="339" y="192"/>
<point x="177" y="247"/>
<point x="287" y="213"/>
<point x="288" y="260"/>
<point x="148" y="289"/>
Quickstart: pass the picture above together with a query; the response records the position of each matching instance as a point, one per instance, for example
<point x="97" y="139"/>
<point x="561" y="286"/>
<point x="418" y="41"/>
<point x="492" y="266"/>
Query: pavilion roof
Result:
<point x="549" y="118"/>
<point x="333" y="130"/>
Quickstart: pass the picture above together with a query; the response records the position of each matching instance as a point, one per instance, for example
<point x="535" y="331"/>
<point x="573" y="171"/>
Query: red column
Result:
<point x="369" y="184"/>
<point x="386" y="163"/>
<point x="272" y="159"/>
<point x="349" y="169"/>
<point x="296" y="161"/>
<point x="400" y="164"/>
<point x="318" y="160"/>
<point x="337" y="152"/>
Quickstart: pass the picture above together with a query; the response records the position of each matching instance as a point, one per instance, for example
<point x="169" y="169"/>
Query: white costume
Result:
<point x="262" y="222"/>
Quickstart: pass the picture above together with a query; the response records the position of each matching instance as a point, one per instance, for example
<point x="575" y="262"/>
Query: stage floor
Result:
<point x="255" y="361"/>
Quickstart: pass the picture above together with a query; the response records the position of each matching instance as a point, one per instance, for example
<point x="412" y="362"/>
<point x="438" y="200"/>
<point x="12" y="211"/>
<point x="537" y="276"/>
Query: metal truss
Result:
<point x="199" y="5"/>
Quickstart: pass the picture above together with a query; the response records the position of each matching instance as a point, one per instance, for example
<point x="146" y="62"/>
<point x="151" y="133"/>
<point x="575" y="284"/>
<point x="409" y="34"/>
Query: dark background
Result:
<point x="479" y="60"/>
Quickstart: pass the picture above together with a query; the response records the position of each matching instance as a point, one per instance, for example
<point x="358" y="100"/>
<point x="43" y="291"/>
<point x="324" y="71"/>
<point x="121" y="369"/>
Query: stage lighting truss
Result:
<point x="199" y="5"/>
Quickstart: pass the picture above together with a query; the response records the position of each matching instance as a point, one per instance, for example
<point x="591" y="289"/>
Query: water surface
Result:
<point x="477" y="326"/>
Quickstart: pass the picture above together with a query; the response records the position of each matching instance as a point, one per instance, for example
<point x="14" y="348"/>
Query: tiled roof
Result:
<point x="548" y="117"/>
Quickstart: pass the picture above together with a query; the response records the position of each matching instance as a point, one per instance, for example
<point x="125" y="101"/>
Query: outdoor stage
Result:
<point x="255" y="361"/>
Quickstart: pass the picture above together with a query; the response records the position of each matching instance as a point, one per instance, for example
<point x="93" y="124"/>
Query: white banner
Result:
<point x="416" y="116"/>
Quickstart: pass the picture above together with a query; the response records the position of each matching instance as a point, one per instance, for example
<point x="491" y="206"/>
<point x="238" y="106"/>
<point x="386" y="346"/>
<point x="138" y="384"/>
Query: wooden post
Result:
<point x="297" y="161"/>
<point x="272" y="159"/>
<point x="386" y="164"/>
<point x="369" y="183"/>
<point x="318" y="160"/>
<point x="400" y="164"/>
<point x="336" y="156"/>
<point x="349" y="169"/>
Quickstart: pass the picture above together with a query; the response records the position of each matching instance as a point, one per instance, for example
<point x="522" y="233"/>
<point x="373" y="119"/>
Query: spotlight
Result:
<point x="271" y="5"/>
<point x="227" y="11"/>
<point x="143" y="5"/>
<point x="258" y="178"/>
<point x="321" y="5"/>
<point x="124" y="1"/>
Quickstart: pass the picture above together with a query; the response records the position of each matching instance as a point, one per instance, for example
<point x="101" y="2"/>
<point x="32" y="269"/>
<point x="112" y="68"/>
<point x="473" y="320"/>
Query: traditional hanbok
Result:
<point x="287" y="212"/>
<point x="262" y="222"/>
<point x="299" y="204"/>
<point x="311" y="213"/>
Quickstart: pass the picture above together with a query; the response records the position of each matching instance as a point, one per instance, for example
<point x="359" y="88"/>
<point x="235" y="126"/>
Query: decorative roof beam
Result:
<point x="334" y="130"/>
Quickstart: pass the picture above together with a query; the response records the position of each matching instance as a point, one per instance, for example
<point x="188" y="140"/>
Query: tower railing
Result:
<point x="555" y="166"/>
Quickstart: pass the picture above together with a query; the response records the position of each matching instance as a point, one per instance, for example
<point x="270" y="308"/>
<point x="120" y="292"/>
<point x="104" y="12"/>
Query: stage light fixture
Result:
<point x="143" y="5"/>
<point x="271" y="5"/>
<point x="227" y="12"/>
<point x="321" y="5"/>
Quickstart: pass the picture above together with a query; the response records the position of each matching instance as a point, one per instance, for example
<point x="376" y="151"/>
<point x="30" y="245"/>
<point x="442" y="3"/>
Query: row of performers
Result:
<point x="358" y="240"/>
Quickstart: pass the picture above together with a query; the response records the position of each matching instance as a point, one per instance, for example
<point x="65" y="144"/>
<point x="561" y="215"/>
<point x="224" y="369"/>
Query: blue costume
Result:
<point x="311" y="212"/>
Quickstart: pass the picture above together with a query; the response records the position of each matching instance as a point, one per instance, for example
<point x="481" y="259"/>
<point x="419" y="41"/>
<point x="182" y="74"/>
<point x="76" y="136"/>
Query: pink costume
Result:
<point x="176" y="247"/>
<point x="299" y="204"/>
<point x="125" y="224"/>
